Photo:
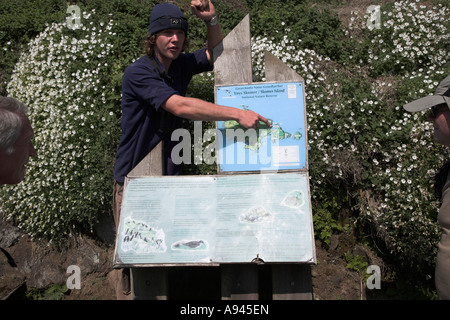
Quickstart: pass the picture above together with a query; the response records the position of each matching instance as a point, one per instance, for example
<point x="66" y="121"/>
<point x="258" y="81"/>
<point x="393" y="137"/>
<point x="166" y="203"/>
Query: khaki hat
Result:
<point x="442" y="95"/>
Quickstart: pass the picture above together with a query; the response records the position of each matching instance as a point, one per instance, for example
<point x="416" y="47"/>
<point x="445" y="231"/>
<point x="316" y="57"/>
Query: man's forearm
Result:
<point x="196" y="109"/>
<point x="215" y="36"/>
<point x="204" y="9"/>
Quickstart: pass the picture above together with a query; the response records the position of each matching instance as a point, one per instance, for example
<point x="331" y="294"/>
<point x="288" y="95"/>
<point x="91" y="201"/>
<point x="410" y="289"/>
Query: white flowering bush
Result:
<point x="70" y="76"/>
<point x="65" y="78"/>
<point x="366" y="153"/>
<point x="413" y="36"/>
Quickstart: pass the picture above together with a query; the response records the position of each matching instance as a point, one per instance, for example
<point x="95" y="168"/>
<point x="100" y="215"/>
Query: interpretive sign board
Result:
<point x="215" y="219"/>
<point x="277" y="148"/>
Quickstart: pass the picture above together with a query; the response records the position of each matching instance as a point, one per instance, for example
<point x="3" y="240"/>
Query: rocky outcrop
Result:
<point x="30" y="264"/>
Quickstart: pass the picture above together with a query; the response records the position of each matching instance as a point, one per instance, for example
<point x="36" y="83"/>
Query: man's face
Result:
<point x="169" y="44"/>
<point x="12" y="166"/>
<point x="440" y="116"/>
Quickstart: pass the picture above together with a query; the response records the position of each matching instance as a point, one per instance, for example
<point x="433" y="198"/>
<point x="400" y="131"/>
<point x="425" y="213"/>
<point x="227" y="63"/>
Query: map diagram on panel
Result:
<point x="139" y="237"/>
<point x="215" y="219"/>
<point x="280" y="146"/>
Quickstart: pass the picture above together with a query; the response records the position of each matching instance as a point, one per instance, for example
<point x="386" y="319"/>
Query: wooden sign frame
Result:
<point x="238" y="281"/>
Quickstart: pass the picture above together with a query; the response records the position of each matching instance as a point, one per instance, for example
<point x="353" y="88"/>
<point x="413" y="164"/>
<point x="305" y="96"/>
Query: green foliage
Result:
<point x="55" y="292"/>
<point x="325" y="225"/>
<point x="325" y="212"/>
<point x="356" y="263"/>
<point x="20" y="21"/>
<point x="301" y="22"/>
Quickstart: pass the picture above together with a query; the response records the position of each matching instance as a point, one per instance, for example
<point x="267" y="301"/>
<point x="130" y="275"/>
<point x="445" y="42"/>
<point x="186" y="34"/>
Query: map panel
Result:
<point x="276" y="148"/>
<point x="215" y="219"/>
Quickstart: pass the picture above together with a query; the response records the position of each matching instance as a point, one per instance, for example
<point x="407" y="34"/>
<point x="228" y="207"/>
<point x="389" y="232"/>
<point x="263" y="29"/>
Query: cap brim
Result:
<point x="424" y="103"/>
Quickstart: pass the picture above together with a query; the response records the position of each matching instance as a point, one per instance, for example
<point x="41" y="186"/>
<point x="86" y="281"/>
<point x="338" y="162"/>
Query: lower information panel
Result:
<point x="215" y="219"/>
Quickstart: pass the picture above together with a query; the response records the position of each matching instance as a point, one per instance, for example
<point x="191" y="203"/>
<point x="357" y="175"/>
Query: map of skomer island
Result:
<point x="279" y="147"/>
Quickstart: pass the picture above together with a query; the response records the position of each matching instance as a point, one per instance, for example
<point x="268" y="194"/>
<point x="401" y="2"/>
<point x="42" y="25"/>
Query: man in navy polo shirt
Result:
<point x="153" y="93"/>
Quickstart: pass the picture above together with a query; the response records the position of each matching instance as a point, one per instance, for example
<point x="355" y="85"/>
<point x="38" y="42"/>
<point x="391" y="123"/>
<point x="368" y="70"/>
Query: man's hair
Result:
<point x="150" y="41"/>
<point x="10" y="122"/>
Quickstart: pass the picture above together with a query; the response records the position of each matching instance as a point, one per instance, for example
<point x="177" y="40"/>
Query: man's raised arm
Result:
<point x="204" y="9"/>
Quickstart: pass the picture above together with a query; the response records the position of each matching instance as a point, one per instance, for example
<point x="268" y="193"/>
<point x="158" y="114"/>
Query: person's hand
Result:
<point x="204" y="9"/>
<point x="250" y="119"/>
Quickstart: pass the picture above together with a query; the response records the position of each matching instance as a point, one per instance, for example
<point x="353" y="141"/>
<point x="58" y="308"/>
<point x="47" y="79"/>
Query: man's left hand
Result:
<point x="204" y="9"/>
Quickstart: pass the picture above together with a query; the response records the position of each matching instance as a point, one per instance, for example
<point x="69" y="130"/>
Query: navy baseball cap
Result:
<point x="167" y="16"/>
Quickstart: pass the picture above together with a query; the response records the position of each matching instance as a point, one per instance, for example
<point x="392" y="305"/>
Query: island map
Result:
<point x="277" y="147"/>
